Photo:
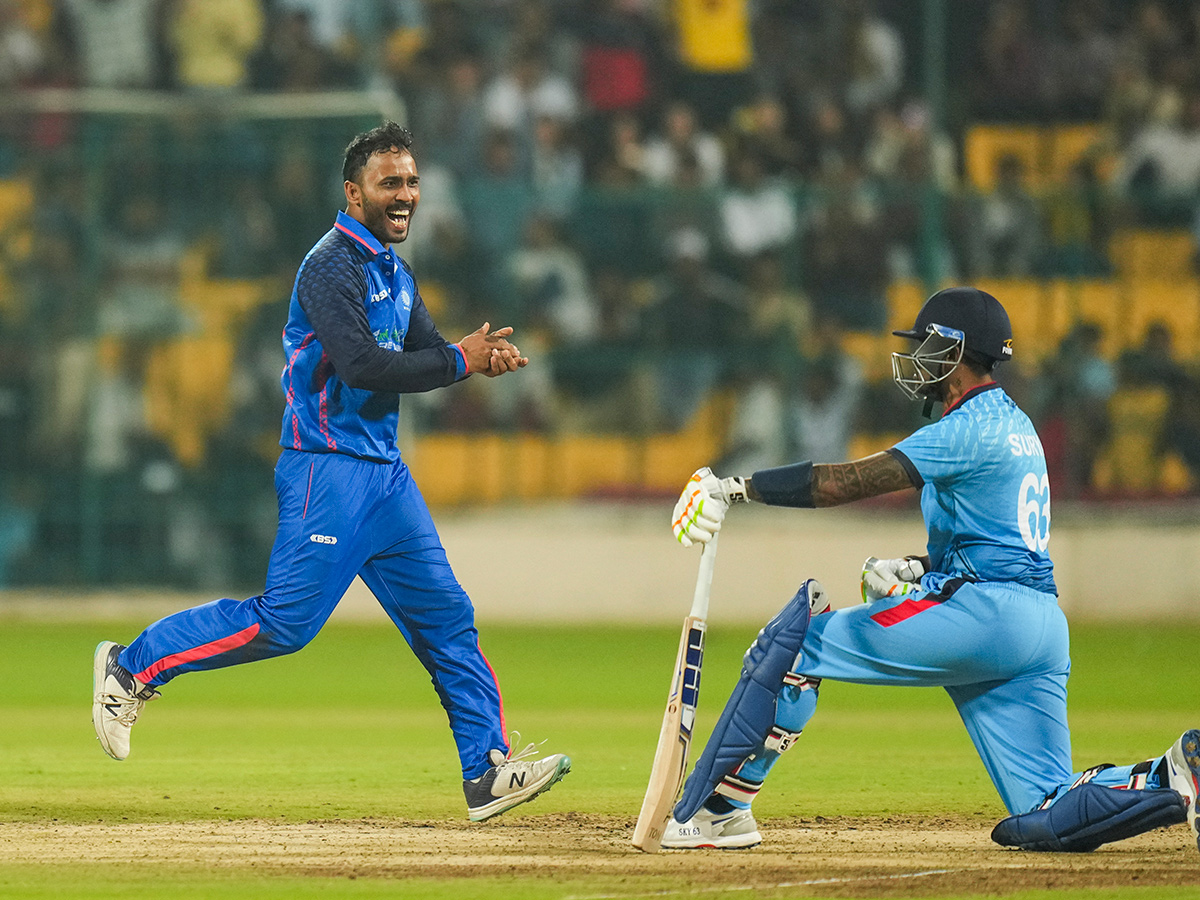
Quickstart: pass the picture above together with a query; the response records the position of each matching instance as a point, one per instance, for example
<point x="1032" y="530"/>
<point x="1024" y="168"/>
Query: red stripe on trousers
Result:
<point x="902" y="611"/>
<point x="243" y="637"/>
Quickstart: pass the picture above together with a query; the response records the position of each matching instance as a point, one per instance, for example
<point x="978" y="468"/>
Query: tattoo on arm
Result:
<point x="846" y="482"/>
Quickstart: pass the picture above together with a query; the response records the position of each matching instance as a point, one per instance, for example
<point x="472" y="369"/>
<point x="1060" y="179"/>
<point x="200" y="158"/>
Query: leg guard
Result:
<point x="749" y="715"/>
<point x="1090" y="815"/>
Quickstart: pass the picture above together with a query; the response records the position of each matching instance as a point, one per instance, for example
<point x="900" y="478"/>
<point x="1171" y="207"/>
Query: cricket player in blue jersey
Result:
<point x="358" y="335"/>
<point x="976" y="614"/>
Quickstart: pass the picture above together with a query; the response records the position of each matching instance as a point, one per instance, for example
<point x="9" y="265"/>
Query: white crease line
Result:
<point x="759" y="887"/>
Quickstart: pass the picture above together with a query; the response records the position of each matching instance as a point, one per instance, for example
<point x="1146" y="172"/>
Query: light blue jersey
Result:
<point x="985" y="494"/>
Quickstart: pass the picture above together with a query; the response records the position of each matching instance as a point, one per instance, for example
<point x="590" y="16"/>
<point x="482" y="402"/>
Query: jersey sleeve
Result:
<point x="332" y="298"/>
<point x="940" y="452"/>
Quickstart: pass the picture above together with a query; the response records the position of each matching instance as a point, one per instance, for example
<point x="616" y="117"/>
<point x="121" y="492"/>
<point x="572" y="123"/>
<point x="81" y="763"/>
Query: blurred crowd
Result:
<point x="673" y="200"/>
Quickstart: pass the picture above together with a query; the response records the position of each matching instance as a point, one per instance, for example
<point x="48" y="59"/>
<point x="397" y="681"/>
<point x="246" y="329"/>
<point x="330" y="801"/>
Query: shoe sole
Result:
<point x="504" y="804"/>
<point x="1185" y="757"/>
<point x="99" y="675"/>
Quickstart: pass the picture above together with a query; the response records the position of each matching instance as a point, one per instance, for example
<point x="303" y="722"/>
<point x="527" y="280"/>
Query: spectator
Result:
<point x="1080" y="381"/>
<point x="1160" y="172"/>
<point x="1083" y="59"/>
<point x="874" y="54"/>
<point x="140" y="273"/>
<point x="556" y="168"/>
<point x="824" y="411"/>
<point x="762" y="129"/>
<point x="1005" y="231"/>
<point x="691" y="306"/>
<point x="715" y="55"/>
<point x="117" y="41"/>
<point x="213" y="42"/>
<point x="448" y="113"/>
<point x="781" y="319"/>
<point x="1078" y="223"/>
<point x="621" y="56"/>
<point x="622" y="161"/>
<point x="21" y="53"/>
<point x="292" y="59"/>
<point x="1010" y="66"/>
<point x="1153" y="361"/>
<point x="909" y="158"/>
<point x="497" y="203"/>
<point x="758" y="214"/>
<point x="845" y="255"/>
<point x="679" y="136"/>
<point x="246" y="239"/>
<point x="526" y="91"/>
<point x="552" y="284"/>
<point x="299" y="201"/>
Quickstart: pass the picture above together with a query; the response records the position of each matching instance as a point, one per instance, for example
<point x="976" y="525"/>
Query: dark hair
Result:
<point x="377" y="140"/>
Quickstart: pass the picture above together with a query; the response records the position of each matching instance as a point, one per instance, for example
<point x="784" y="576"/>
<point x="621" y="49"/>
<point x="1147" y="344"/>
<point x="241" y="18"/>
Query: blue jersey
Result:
<point x="985" y="494"/>
<point x="357" y="336"/>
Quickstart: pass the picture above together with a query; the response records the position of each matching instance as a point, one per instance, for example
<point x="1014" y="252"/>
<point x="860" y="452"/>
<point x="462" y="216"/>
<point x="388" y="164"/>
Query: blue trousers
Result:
<point x="341" y="517"/>
<point x="1001" y="652"/>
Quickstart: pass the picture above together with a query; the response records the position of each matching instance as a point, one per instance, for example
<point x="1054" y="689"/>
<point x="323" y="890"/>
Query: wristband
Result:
<point x="785" y="485"/>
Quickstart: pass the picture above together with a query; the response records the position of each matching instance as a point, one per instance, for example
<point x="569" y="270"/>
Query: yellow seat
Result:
<point x="1131" y="462"/>
<point x="986" y="145"/>
<point x="1153" y="253"/>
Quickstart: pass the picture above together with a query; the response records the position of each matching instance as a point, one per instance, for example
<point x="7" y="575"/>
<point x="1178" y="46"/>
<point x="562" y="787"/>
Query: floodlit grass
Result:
<point x="351" y="728"/>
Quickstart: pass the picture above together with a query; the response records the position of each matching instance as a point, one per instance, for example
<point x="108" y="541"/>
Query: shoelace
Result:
<point x="526" y="752"/>
<point x="128" y="708"/>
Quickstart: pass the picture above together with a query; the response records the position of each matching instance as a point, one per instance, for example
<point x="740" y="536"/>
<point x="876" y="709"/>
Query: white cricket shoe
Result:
<point x="117" y="700"/>
<point x="1183" y="775"/>
<point x="512" y="780"/>
<point x="734" y="830"/>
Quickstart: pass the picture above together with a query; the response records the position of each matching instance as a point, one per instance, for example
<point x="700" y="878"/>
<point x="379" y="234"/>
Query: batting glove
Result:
<point x="701" y="507"/>
<point x="890" y="578"/>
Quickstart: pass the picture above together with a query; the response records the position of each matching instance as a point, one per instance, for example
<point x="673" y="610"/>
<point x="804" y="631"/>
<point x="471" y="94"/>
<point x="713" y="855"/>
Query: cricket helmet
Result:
<point x="954" y="323"/>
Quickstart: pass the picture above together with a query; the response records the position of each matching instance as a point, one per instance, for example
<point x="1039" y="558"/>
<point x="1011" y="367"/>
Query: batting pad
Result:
<point x="750" y="710"/>
<point x="1090" y="815"/>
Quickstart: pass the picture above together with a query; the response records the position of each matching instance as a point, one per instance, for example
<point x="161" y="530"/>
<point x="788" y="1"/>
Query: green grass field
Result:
<point x="350" y="729"/>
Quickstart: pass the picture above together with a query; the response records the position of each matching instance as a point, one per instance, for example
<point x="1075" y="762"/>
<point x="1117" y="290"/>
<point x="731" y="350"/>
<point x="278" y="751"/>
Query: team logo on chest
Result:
<point x="405" y="299"/>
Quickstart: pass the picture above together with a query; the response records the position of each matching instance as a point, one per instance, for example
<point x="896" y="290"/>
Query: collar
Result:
<point x="973" y="392"/>
<point x="357" y="232"/>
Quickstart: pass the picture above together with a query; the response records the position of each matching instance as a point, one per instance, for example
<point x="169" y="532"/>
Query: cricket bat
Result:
<point x="675" y="738"/>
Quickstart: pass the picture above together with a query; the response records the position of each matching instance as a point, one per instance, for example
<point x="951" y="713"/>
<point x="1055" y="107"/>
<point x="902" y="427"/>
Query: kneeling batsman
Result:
<point x="772" y="702"/>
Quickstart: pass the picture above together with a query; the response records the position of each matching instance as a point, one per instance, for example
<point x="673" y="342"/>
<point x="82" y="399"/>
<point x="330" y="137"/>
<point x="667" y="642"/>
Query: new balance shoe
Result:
<point x="117" y="700"/>
<point x="512" y="780"/>
<point x="1183" y="775"/>
<point x="733" y="830"/>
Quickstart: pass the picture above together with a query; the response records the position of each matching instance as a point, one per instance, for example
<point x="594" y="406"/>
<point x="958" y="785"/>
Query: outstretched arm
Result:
<point x="829" y="484"/>
<point x="870" y="476"/>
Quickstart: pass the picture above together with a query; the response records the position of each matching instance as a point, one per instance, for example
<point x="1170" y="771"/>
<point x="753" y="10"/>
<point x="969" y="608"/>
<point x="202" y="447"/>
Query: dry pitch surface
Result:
<point x="882" y="857"/>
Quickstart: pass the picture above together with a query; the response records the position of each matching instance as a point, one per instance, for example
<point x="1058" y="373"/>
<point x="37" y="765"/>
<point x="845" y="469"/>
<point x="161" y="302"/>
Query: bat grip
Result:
<point x="708" y="559"/>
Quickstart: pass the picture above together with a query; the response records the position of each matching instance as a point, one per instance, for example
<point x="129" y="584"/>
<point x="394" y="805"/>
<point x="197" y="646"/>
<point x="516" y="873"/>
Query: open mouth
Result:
<point x="399" y="217"/>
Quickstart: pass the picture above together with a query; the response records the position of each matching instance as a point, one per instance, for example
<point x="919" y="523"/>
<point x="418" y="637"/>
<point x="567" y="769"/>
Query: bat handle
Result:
<point x="708" y="559"/>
